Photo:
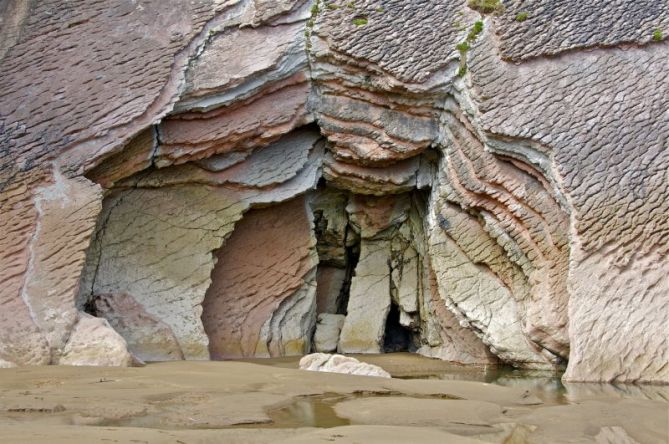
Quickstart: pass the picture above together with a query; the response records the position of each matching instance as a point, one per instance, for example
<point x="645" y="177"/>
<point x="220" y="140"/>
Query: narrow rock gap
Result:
<point x="352" y="258"/>
<point x="397" y="338"/>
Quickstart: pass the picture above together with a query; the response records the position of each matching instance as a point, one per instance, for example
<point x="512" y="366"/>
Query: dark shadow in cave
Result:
<point x="352" y="258"/>
<point x="397" y="338"/>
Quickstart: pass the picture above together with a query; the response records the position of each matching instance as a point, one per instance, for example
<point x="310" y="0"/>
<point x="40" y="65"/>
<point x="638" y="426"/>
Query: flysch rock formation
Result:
<point x="479" y="182"/>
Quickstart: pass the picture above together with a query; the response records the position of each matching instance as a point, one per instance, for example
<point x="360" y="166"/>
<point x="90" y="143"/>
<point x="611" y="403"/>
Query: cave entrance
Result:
<point x="397" y="338"/>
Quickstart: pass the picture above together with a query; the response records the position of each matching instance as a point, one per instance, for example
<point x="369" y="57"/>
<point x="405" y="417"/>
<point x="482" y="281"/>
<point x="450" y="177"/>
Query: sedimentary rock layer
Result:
<point x="262" y="298"/>
<point x="436" y="176"/>
<point x="155" y="245"/>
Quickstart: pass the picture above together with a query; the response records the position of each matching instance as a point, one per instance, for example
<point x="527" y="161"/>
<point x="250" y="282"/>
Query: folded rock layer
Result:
<point x="247" y="178"/>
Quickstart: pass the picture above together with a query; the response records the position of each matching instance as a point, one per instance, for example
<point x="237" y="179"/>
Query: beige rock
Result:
<point x="369" y="301"/>
<point x="67" y="212"/>
<point x="599" y="308"/>
<point x="372" y="215"/>
<point x="156" y="245"/>
<point x="362" y="132"/>
<point x="323" y="362"/>
<point x="524" y="222"/>
<point x="273" y="164"/>
<point x="546" y="226"/>
<point x="269" y="9"/>
<point x="39" y="316"/>
<point x="443" y="337"/>
<point x="21" y="341"/>
<point x="405" y="277"/>
<point x="106" y="103"/>
<point x="328" y="328"/>
<point x="220" y="162"/>
<point x="136" y="156"/>
<point x="616" y="199"/>
<point x="101" y="91"/>
<point x="520" y="42"/>
<point x="475" y="294"/>
<point x="94" y="342"/>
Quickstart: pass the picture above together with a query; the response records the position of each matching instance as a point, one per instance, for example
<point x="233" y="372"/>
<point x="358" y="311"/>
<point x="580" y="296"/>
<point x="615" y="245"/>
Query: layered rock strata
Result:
<point x="206" y="181"/>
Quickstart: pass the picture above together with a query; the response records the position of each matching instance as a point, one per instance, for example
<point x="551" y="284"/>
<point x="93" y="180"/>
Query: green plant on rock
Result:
<point x="657" y="35"/>
<point x="463" y="47"/>
<point x="359" y="21"/>
<point x="475" y="31"/>
<point x="522" y="16"/>
<point x="486" y="6"/>
<point x="315" y="9"/>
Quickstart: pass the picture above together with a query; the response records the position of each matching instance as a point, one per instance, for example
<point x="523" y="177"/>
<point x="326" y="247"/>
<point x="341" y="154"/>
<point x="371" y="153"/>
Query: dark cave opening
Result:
<point x="352" y="256"/>
<point x="397" y="338"/>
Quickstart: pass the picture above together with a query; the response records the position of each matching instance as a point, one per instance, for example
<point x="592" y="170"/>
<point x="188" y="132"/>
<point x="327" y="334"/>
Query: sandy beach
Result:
<point x="271" y="401"/>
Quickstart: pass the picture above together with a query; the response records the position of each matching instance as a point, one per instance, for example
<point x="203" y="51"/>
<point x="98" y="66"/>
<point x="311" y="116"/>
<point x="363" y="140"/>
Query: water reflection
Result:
<point x="311" y="411"/>
<point x="577" y="392"/>
<point x="548" y="386"/>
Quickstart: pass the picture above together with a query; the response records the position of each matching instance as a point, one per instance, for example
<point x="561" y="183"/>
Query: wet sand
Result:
<point x="271" y="401"/>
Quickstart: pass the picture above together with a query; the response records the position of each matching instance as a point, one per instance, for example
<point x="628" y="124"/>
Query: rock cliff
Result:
<point x="478" y="181"/>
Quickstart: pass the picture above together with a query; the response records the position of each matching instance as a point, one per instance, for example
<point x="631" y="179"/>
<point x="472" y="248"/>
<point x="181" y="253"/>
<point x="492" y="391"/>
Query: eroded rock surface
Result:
<point x="506" y="199"/>
<point x="156" y="244"/>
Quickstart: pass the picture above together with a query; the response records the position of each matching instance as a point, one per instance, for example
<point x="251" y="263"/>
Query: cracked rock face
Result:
<point x="246" y="178"/>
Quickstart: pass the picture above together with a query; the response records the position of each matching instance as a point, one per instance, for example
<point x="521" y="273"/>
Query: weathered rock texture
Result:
<point x="328" y="329"/>
<point x="208" y="178"/>
<point x="154" y="246"/>
<point x="262" y="299"/>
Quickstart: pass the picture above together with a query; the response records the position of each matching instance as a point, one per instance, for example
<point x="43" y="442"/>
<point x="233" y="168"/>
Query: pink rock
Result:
<point x="268" y="260"/>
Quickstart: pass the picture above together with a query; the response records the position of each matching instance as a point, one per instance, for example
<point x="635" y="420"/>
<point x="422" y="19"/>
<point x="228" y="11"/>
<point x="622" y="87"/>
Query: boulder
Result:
<point x="323" y="362"/>
<point x="94" y="342"/>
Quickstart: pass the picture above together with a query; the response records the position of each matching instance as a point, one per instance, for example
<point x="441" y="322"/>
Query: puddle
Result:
<point x="308" y="411"/>
<point x="545" y="385"/>
<point x="311" y="411"/>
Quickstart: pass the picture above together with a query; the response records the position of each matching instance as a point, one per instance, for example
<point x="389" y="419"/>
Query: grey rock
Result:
<point x="328" y="328"/>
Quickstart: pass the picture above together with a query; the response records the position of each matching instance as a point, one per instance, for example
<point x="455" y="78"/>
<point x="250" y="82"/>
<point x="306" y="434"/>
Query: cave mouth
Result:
<point x="397" y="338"/>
